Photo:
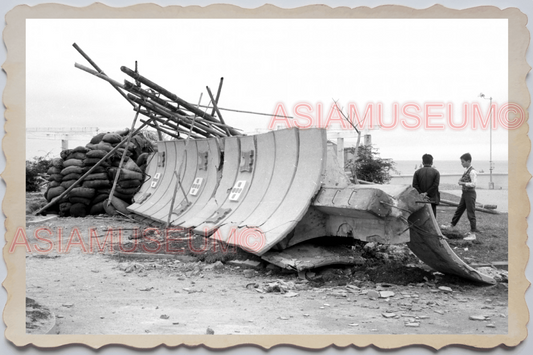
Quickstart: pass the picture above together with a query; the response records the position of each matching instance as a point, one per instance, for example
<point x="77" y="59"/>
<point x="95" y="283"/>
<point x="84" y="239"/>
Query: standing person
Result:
<point x="468" y="197"/>
<point x="426" y="181"/>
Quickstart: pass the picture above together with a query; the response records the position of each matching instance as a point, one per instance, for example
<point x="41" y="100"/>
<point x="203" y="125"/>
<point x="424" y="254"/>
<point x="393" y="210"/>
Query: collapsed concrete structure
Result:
<point x="268" y="193"/>
<point x="280" y="189"/>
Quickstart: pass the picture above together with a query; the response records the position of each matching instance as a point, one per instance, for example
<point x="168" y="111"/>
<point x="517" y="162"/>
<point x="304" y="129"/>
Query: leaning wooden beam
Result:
<point x="131" y="87"/>
<point x="165" y="131"/>
<point x="170" y="95"/>
<point x="185" y="122"/>
<point x="188" y="121"/>
<point x="169" y="125"/>
<point x="100" y="71"/>
<point x="216" y="108"/>
<point x="58" y="198"/>
<point x="218" y="96"/>
<point x="179" y="114"/>
<point x="123" y="157"/>
<point x="101" y="76"/>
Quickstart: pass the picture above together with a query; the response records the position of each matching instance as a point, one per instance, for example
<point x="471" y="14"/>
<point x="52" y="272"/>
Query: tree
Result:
<point x="365" y="164"/>
<point x="35" y="169"/>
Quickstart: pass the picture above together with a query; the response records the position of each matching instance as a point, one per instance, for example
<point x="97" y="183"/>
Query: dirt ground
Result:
<point x="116" y="292"/>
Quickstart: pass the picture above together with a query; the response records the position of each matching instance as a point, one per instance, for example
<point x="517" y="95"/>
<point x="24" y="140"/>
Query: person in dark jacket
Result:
<point x="426" y="181"/>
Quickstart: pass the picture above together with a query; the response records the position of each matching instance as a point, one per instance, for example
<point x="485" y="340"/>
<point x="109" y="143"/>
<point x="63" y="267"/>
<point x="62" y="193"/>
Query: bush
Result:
<point x="368" y="166"/>
<point x="35" y="171"/>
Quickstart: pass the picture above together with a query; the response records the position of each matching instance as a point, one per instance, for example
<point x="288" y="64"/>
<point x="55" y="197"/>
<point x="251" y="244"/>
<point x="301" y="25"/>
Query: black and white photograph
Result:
<point x="345" y="173"/>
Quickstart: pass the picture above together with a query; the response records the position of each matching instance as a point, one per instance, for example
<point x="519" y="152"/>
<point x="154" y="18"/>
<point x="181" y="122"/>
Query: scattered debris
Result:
<point x="209" y="331"/>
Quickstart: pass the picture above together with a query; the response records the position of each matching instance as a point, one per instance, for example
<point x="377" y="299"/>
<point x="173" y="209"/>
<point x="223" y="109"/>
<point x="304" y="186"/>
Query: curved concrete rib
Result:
<point x="428" y="243"/>
<point x="259" y="235"/>
<point x="166" y="159"/>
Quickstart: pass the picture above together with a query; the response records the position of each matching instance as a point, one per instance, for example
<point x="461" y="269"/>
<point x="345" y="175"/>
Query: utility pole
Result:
<point x="491" y="184"/>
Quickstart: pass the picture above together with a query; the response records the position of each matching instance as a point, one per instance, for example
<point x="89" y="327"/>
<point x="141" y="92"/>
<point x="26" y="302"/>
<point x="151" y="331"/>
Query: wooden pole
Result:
<point x="128" y="139"/>
<point x="216" y="109"/>
<point x="172" y="134"/>
<point x="183" y="121"/>
<point x="88" y="172"/>
<point x="100" y="71"/>
<point x="171" y="96"/>
<point x="218" y="96"/>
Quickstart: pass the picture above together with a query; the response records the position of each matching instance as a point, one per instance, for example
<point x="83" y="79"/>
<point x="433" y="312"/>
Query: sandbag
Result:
<point x="120" y="151"/>
<point x="97" y="208"/>
<point x="103" y="146"/>
<point x="112" y="138"/>
<point x="54" y="184"/>
<point x="119" y="204"/>
<point x="57" y="162"/>
<point x="99" y="198"/>
<point x="128" y="191"/>
<point x="99" y="169"/>
<point x="68" y="183"/>
<point x="80" y="149"/>
<point x="84" y="192"/>
<point x="97" y="184"/>
<point x="109" y="209"/>
<point x="73" y="162"/>
<point x="104" y="191"/>
<point x="78" y="210"/>
<point x="97" y="176"/>
<point x="71" y="177"/>
<point x="125" y="174"/>
<point x="98" y="138"/>
<point x="53" y="170"/>
<point x="77" y="199"/>
<point x="94" y="161"/>
<point x="55" y="177"/>
<point x="97" y="153"/>
<point x="65" y="153"/>
<point x="54" y="192"/>
<point x="64" y="209"/>
<point x="131" y="165"/>
<point x="77" y="155"/>
<point x="123" y="132"/>
<point x="142" y="159"/>
<point x="72" y="170"/>
<point x="123" y="197"/>
<point x="126" y="184"/>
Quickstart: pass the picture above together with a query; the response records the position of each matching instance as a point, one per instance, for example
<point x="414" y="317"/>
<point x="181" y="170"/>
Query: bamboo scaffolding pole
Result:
<point x="170" y="95"/>
<point x="101" y="76"/>
<point x="100" y="71"/>
<point x="216" y="108"/>
<point x="58" y="198"/>
<point x="177" y="113"/>
<point x="185" y="122"/>
<point x="218" y="96"/>
<point x="128" y="140"/>
<point x="164" y="130"/>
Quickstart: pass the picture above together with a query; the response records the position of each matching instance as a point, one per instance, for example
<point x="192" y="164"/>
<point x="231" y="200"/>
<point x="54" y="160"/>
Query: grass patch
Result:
<point x="492" y="240"/>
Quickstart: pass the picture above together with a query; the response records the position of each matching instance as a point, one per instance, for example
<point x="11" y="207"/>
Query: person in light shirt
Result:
<point x="468" y="197"/>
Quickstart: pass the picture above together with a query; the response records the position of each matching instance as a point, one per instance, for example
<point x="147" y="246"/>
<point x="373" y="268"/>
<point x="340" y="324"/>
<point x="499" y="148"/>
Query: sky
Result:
<point x="273" y="63"/>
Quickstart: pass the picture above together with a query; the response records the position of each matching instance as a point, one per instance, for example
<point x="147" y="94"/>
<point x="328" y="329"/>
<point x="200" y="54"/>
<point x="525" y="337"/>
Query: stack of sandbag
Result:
<point x="54" y="182"/>
<point x="98" y="179"/>
<point x="91" y="196"/>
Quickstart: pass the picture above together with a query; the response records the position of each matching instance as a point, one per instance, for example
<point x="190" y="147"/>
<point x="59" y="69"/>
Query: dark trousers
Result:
<point x="434" y="208"/>
<point x="468" y="203"/>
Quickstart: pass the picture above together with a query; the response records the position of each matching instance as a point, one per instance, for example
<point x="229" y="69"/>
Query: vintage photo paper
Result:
<point x="438" y="81"/>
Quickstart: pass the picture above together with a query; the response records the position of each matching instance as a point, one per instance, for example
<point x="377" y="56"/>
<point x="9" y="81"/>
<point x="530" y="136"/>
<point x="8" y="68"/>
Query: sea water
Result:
<point x="408" y="167"/>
